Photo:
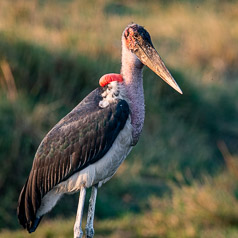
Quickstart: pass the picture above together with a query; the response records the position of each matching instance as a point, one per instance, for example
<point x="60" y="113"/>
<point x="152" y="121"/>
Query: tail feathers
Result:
<point x="35" y="224"/>
<point x="28" y="204"/>
<point x="21" y="208"/>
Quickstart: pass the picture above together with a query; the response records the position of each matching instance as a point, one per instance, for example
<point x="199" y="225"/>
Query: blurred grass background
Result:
<point x="181" y="179"/>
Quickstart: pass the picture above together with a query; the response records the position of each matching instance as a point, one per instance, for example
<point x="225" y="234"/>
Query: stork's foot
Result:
<point x="89" y="232"/>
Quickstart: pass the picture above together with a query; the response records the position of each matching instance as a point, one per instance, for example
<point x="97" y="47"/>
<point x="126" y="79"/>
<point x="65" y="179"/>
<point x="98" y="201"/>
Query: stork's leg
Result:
<point x="78" y="232"/>
<point x="91" y="211"/>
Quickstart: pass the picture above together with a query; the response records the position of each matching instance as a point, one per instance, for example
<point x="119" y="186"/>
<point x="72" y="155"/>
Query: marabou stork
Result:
<point x="88" y="145"/>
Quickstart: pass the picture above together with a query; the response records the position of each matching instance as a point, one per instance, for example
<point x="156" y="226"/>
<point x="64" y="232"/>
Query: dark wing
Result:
<point x="81" y="138"/>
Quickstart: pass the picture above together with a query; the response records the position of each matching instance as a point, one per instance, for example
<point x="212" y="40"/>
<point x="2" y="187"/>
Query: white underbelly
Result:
<point x="102" y="170"/>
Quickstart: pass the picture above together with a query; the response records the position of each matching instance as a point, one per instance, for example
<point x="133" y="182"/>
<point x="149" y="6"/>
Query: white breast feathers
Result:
<point x="115" y="90"/>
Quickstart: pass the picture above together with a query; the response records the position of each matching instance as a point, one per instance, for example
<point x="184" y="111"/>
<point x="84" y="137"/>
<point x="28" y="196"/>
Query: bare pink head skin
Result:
<point x="137" y="51"/>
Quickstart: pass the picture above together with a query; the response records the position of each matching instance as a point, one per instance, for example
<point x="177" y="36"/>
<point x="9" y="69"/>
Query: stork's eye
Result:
<point x="135" y="50"/>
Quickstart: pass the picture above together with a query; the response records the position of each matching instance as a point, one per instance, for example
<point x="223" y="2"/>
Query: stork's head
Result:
<point x="138" y="41"/>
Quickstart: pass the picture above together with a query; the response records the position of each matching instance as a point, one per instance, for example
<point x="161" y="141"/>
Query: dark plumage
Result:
<point x="81" y="138"/>
<point x="86" y="148"/>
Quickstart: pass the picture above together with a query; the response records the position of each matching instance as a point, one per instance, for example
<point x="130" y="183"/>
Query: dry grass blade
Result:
<point x="9" y="81"/>
<point x="231" y="162"/>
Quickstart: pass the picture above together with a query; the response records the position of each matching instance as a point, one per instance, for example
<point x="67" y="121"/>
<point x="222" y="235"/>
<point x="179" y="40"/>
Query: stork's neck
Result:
<point x="131" y="71"/>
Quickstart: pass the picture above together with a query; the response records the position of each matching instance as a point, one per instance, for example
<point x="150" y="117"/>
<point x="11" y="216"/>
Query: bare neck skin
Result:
<point x="131" y="71"/>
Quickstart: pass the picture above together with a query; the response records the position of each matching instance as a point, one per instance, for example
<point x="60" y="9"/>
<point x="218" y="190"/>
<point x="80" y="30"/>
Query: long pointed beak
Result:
<point x="150" y="57"/>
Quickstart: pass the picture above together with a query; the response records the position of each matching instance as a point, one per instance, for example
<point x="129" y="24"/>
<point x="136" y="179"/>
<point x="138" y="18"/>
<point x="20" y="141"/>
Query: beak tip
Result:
<point x="174" y="85"/>
<point x="180" y="91"/>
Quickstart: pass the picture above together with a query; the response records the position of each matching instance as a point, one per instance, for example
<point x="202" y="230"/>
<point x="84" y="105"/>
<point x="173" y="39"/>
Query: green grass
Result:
<point x="204" y="209"/>
<point x="56" y="58"/>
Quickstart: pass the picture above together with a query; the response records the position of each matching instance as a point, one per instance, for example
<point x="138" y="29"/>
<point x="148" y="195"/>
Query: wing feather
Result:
<point x="81" y="138"/>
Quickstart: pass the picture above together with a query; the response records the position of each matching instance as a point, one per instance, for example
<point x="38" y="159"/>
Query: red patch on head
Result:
<point x="108" y="78"/>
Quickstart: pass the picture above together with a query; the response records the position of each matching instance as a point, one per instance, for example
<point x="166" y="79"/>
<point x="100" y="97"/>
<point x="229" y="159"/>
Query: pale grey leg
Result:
<point x="91" y="211"/>
<point x="78" y="232"/>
